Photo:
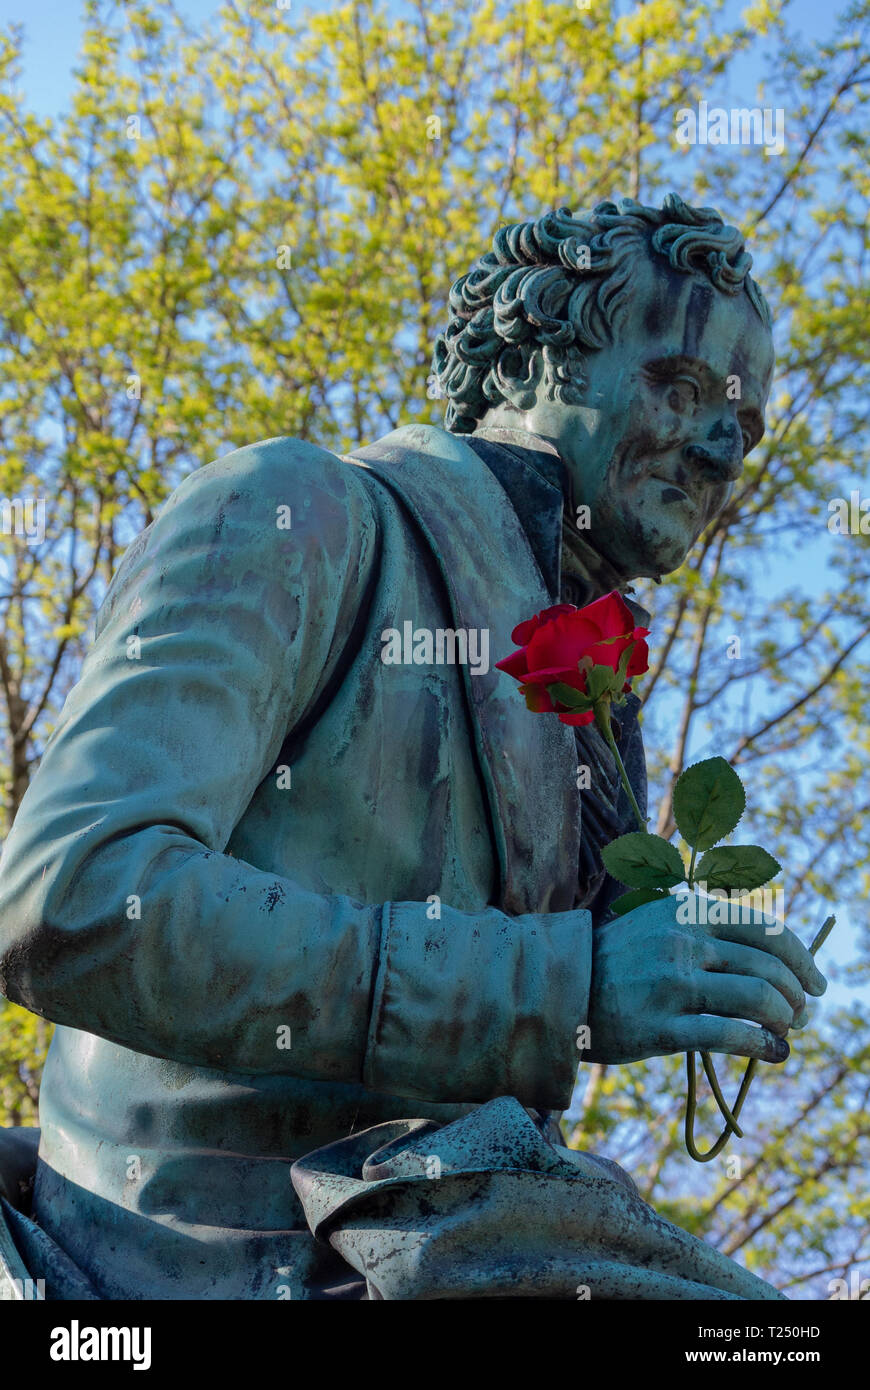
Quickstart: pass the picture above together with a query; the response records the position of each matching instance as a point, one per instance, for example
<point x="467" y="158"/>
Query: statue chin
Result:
<point x="654" y="555"/>
<point x="664" y="562"/>
<point x="652" y="562"/>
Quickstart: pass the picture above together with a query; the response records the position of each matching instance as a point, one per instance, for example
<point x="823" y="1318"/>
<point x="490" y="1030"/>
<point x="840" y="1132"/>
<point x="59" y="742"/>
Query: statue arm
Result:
<point x="120" y="913"/>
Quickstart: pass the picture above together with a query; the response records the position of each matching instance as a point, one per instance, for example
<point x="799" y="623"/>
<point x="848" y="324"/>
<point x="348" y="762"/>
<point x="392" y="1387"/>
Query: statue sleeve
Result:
<point x="120" y="912"/>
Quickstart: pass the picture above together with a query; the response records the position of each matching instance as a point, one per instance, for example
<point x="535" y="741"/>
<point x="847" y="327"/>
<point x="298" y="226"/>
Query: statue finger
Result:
<point x="728" y="1035"/>
<point x="770" y="934"/>
<point x="733" y="959"/>
<point x="743" y="997"/>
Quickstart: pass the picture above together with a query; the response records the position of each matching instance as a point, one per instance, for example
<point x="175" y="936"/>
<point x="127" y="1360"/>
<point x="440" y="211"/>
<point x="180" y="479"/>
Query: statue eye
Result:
<point x="683" y="393"/>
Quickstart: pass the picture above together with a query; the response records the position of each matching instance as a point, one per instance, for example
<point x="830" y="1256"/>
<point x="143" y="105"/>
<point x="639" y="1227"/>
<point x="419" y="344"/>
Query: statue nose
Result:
<point x="722" y="460"/>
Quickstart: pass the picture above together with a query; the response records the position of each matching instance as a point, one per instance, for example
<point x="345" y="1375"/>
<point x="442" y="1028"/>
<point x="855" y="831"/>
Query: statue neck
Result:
<point x="585" y="573"/>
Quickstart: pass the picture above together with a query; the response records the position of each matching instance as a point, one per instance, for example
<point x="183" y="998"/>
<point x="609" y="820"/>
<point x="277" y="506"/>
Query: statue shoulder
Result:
<point x="422" y="441"/>
<point x="277" y="503"/>
<point x="283" y="472"/>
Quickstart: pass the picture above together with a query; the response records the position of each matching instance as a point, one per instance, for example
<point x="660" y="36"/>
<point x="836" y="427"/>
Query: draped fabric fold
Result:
<point x="486" y="1207"/>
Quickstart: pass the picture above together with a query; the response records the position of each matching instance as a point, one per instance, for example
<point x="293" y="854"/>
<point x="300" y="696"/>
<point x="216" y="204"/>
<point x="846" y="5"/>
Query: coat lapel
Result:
<point x="492" y="580"/>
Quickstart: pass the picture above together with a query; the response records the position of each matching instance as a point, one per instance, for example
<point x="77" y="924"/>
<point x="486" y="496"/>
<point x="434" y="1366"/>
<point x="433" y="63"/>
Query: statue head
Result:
<point x="635" y="341"/>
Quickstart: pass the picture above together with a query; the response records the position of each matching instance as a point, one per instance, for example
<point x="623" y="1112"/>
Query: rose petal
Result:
<point x="608" y="653"/>
<point x="611" y="614"/>
<point x="577" y="719"/>
<point x="523" y="632"/>
<point x="638" y="662"/>
<point x="549" y="675"/>
<point x="562" y="642"/>
<point x="515" y="665"/>
<point x="537" y="699"/>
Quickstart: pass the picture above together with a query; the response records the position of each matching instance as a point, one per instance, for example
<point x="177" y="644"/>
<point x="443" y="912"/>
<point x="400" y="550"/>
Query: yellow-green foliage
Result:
<point x="24" y="1040"/>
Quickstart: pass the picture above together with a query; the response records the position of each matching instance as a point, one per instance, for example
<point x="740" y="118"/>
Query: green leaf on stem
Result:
<point x="736" y="866"/>
<point x="708" y="802"/>
<point x="627" y="902"/>
<point x="600" y="681"/>
<point x="568" y="696"/>
<point x="622" y="668"/>
<point x="642" y="860"/>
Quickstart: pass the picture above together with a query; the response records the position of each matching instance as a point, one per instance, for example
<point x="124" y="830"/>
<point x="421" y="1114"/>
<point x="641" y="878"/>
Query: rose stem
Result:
<point x="818" y="941"/>
<point x="602" y="719"/>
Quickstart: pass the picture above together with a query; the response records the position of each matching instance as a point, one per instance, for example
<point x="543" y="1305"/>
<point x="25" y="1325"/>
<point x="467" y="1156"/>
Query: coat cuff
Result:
<point x="479" y="1005"/>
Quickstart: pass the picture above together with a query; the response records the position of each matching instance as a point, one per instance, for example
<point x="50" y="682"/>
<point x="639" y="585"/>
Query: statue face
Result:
<point x="655" y="450"/>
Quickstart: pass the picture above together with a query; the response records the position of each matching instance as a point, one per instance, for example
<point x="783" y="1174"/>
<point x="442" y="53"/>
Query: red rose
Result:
<point x="552" y="644"/>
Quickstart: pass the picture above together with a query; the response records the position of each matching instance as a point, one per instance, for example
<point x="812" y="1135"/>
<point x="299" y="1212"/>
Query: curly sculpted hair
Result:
<point x="558" y="286"/>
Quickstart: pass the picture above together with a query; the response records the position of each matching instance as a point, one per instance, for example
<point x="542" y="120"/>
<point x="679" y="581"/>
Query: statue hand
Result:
<point x="662" y="986"/>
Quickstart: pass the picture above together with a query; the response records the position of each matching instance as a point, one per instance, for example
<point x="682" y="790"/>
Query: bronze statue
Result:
<point x="278" y="889"/>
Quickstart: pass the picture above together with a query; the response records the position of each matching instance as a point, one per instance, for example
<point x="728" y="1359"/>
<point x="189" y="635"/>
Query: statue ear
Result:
<point x="516" y="375"/>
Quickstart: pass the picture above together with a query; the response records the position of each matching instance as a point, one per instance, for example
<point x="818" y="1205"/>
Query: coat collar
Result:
<point x="533" y="479"/>
<point x="492" y="580"/>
